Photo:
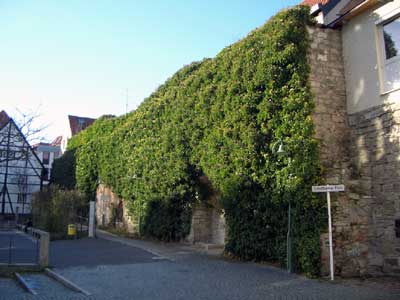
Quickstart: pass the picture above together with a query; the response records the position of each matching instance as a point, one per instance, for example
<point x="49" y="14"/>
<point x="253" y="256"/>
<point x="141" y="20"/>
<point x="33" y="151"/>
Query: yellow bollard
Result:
<point x="71" y="230"/>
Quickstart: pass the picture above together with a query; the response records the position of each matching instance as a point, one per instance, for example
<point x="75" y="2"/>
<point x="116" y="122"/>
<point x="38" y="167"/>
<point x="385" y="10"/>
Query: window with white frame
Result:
<point x="390" y="37"/>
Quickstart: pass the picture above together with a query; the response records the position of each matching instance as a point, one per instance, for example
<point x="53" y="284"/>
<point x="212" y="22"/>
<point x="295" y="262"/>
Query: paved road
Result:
<point x="189" y="275"/>
<point x="17" y="247"/>
<point x="199" y="277"/>
<point x="93" y="252"/>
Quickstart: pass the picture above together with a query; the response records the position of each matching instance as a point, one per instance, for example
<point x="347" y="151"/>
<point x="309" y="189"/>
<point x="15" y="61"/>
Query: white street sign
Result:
<point x="328" y="189"/>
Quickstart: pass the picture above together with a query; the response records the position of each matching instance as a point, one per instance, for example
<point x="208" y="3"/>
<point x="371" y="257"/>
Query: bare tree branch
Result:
<point x="27" y="123"/>
<point x="13" y="146"/>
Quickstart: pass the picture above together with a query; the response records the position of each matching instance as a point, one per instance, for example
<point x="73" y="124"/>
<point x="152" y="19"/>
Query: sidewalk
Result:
<point x="171" y="251"/>
<point x="377" y="283"/>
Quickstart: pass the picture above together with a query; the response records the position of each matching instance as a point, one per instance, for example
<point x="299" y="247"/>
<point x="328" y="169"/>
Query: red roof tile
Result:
<point x="78" y="124"/>
<point x="313" y="2"/>
<point x="4" y="119"/>
<point x="57" y="141"/>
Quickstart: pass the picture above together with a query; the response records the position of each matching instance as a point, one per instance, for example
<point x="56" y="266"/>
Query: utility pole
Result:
<point x="127" y="97"/>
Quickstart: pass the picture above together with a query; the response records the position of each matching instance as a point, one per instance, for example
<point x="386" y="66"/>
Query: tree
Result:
<point x="18" y="139"/>
<point x="29" y="125"/>
<point x="390" y="46"/>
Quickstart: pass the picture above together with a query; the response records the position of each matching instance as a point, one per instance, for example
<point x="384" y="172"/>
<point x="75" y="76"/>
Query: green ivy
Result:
<point x="63" y="171"/>
<point x="221" y="118"/>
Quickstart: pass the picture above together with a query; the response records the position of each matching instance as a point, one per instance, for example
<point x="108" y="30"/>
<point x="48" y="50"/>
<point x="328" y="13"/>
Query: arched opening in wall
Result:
<point x="208" y="221"/>
<point x="112" y="211"/>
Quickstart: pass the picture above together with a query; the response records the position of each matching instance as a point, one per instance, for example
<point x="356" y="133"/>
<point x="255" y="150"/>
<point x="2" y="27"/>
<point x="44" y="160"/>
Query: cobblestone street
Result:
<point x="178" y="272"/>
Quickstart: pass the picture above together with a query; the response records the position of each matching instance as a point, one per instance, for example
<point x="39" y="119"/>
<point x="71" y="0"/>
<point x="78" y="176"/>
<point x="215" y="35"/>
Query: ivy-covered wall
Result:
<point x="221" y="118"/>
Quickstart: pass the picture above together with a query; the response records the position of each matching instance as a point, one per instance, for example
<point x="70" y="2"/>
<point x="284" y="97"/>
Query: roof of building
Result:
<point x="4" y="119"/>
<point x="314" y="2"/>
<point x="42" y="144"/>
<point x="352" y="4"/>
<point x="78" y="124"/>
<point x="56" y="141"/>
<point x="350" y="9"/>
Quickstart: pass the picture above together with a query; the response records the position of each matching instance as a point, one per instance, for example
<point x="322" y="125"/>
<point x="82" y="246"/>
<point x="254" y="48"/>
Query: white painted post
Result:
<point x="92" y="216"/>
<point x="44" y="242"/>
<point x="328" y="189"/>
<point x="328" y="195"/>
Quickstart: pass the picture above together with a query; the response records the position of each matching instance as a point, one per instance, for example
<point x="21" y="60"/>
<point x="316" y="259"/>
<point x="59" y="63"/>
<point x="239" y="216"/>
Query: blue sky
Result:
<point x="79" y="57"/>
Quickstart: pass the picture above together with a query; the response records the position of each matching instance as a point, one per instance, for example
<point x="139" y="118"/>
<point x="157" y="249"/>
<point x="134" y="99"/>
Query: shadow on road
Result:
<point x="94" y="252"/>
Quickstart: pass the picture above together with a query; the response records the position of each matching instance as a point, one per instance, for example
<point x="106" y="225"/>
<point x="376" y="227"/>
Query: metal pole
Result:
<point x="10" y="250"/>
<point x="92" y="216"/>
<point x="289" y="232"/>
<point x="328" y="195"/>
<point x="289" y="240"/>
<point x="37" y="250"/>
<point x="17" y="215"/>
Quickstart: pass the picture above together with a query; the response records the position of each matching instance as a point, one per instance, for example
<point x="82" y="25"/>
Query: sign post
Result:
<point x="328" y="189"/>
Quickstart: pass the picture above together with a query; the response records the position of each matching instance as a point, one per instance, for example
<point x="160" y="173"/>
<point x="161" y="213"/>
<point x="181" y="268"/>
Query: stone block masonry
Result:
<point x="106" y="205"/>
<point x="361" y="151"/>
<point x="208" y="221"/>
<point x="375" y="149"/>
<point x="208" y="224"/>
<point x="327" y="83"/>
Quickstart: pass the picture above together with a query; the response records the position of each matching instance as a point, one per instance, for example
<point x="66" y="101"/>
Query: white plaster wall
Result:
<point x="54" y="151"/>
<point x="66" y="135"/>
<point x="15" y="170"/>
<point x="361" y="52"/>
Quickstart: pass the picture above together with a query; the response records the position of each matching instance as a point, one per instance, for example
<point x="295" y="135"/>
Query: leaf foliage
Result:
<point x="221" y="118"/>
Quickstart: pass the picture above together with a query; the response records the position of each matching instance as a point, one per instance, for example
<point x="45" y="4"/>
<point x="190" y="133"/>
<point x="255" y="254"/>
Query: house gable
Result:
<point x="20" y="169"/>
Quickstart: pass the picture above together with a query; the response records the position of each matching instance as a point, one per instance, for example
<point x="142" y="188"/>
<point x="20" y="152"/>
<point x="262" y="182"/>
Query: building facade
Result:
<point x="21" y="170"/>
<point x="74" y="126"/>
<point x="354" y="59"/>
<point x="355" y="63"/>
<point x="47" y="153"/>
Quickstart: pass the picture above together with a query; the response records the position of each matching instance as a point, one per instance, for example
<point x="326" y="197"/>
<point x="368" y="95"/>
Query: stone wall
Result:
<point x="375" y="149"/>
<point x="208" y="221"/>
<point x="360" y="151"/>
<point x="333" y="132"/>
<point x="200" y="229"/>
<point x="106" y="202"/>
<point x="208" y="224"/>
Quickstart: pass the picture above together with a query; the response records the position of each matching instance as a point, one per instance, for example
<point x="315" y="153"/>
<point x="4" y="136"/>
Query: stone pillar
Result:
<point x="44" y="240"/>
